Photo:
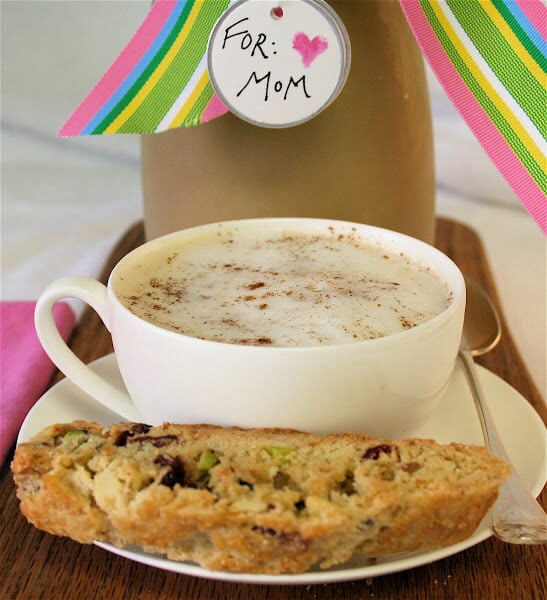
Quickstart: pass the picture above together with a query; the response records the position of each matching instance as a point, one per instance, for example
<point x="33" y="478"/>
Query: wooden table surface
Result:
<point x="38" y="565"/>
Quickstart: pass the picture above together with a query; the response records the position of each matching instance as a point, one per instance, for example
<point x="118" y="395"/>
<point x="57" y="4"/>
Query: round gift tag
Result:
<point x="278" y="63"/>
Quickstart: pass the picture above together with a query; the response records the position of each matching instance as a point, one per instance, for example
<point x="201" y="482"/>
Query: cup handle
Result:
<point x="93" y="293"/>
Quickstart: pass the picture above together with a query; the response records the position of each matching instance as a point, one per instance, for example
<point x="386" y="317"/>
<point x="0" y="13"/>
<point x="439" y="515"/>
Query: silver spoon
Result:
<point x="516" y="516"/>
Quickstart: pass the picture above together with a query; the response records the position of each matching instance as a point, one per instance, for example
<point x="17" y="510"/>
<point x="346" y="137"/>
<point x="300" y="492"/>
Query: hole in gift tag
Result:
<point x="276" y="13"/>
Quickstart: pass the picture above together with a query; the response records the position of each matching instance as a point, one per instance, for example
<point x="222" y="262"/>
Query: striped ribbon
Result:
<point x="488" y="54"/>
<point x="160" y="79"/>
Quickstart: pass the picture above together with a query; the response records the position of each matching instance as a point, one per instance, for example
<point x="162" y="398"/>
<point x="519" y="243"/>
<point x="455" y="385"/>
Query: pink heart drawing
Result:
<point x="308" y="49"/>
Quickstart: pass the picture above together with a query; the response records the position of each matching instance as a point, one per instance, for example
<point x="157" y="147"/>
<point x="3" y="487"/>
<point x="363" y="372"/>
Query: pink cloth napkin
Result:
<point x="25" y="368"/>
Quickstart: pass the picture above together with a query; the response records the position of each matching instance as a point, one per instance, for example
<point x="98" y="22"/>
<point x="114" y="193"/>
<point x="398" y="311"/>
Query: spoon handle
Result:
<point x="517" y="518"/>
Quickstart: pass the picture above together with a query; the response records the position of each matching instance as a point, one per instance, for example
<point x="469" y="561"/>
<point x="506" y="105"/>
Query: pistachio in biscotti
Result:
<point x="207" y="460"/>
<point x="75" y="437"/>
<point x="279" y="452"/>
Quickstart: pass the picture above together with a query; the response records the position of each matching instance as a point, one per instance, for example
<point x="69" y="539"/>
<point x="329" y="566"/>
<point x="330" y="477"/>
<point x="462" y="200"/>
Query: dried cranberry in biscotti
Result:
<point x="374" y="452"/>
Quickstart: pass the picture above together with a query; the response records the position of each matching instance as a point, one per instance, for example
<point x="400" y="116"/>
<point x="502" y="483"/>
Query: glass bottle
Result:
<point x="368" y="157"/>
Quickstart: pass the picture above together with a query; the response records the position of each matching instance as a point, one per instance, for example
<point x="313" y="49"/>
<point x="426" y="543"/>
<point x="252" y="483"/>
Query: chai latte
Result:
<point x="283" y="289"/>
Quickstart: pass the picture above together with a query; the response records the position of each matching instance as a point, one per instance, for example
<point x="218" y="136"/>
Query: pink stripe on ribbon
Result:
<point x="120" y="69"/>
<point x="535" y="13"/>
<point x="214" y="109"/>
<point x="478" y="120"/>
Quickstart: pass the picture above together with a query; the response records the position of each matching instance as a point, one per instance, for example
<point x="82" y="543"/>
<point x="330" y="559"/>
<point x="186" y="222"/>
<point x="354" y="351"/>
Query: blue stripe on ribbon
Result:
<point x="535" y="36"/>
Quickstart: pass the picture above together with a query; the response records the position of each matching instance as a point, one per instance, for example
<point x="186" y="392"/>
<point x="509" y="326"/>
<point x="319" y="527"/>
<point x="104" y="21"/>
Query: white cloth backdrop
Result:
<point x="66" y="202"/>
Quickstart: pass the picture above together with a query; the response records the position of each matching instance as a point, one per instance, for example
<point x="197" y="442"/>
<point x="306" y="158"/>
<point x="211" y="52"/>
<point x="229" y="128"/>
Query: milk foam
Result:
<point x="282" y="289"/>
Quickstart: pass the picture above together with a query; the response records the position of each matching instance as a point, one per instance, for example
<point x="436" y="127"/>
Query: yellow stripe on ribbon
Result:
<point x="189" y="104"/>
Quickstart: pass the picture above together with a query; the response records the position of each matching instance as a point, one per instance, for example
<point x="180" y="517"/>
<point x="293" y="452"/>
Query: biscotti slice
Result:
<point x="259" y="501"/>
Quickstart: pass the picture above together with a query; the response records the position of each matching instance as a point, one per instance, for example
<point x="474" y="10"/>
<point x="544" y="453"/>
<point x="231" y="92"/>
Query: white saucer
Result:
<point x="455" y="420"/>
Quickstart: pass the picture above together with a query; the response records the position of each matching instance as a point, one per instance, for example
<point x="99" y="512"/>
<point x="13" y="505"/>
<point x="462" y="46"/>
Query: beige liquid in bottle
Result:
<point x="368" y="157"/>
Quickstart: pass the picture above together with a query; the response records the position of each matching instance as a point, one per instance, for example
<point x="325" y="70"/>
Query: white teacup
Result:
<point x="387" y="386"/>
